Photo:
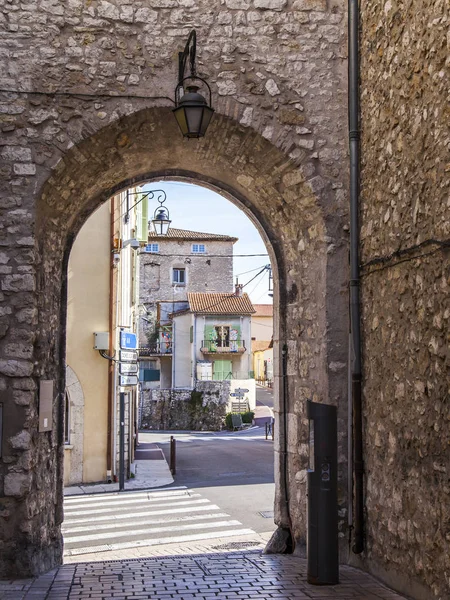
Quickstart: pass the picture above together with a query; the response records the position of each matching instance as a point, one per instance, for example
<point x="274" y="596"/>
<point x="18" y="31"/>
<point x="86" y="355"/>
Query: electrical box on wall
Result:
<point x="46" y="405"/>
<point x="101" y="340"/>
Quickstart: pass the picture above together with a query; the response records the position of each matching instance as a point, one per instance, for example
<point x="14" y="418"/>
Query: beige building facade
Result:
<point x="262" y="343"/>
<point x="86" y="398"/>
<point x="103" y="283"/>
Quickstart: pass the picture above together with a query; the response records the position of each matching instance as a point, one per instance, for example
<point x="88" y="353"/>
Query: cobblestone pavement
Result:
<point x="235" y="575"/>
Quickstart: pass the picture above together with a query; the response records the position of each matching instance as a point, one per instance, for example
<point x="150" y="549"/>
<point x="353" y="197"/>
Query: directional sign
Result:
<point x="128" y="356"/>
<point x="128" y="340"/>
<point x="241" y="395"/>
<point x="125" y="380"/>
<point x="241" y="390"/>
<point x="128" y="368"/>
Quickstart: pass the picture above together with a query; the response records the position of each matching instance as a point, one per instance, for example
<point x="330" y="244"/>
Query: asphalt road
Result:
<point x="233" y="470"/>
<point x="264" y="396"/>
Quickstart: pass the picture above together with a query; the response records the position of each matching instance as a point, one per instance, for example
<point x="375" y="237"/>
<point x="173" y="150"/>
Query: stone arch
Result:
<point x="299" y="222"/>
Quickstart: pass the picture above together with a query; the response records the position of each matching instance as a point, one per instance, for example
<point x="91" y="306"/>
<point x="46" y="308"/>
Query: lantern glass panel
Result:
<point x="180" y="116"/>
<point x="207" y="115"/>
<point x="194" y="116"/>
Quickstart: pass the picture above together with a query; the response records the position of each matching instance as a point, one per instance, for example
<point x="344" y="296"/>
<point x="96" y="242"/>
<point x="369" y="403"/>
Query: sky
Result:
<point x="198" y="209"/>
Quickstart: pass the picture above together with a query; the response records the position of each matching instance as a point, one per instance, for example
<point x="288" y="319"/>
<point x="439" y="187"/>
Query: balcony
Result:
<point x="156" y="349"/>
<point x="214" y="347"/>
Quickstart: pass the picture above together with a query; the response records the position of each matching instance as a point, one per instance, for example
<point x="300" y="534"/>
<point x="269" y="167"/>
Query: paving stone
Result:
<point x="243" y="576"/>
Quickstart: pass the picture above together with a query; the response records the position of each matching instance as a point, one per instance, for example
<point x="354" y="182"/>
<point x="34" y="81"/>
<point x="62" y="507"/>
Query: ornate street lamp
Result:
<point x="161" y="221"/>
<point x="191" y="111"/>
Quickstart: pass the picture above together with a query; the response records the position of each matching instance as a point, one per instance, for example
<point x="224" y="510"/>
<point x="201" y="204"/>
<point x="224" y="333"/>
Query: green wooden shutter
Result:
<point x="142" y="219"/>
<point x="221" y="369"/>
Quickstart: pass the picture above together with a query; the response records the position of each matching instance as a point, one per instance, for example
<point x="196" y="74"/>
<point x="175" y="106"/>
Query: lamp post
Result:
<point x="192" y="112"/>
<point x="161" y="220"/>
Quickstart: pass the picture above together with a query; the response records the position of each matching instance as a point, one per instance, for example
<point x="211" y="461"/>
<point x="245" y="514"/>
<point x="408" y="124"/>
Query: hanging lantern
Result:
<point x="192" y="111"/>
<point x="161" y="221"/>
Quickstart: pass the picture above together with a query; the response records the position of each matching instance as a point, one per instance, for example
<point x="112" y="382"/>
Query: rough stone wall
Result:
<point x="202" y="409"/>
<point x="207" y="272"/>
<point x="276" y="147"/>
<point x="405" y="186"/>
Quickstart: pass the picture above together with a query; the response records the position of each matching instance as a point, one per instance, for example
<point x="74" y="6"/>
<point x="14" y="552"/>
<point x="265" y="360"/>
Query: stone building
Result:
<point x="172" y="266"/>
<point x="85" y="104"/>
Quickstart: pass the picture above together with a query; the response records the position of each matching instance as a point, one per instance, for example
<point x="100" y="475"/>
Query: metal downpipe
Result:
<point x="355" y="316"/>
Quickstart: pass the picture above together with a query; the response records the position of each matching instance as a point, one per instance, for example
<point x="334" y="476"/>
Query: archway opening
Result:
<point x="193" y="299"/>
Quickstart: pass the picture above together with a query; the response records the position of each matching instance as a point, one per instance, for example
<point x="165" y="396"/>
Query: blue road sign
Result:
<point x="128" y="340"/>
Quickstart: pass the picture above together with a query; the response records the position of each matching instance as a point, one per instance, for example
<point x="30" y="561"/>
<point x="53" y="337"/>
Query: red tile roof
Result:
<point x="263" y="310"/>
<point x="214" y="303"/>
<point x="259" y="346"/>
<point x="184" y="234"/>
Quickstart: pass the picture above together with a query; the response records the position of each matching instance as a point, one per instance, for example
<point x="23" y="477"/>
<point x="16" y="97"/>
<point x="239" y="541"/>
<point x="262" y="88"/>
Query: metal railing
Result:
<point x="223" y="347"/>
<point x="155" y="349"/>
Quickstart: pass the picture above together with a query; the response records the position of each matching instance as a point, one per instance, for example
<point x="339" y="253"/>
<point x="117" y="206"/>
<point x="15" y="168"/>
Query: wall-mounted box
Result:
<point x="101" y="340"/>
<point x="46" y="405"/>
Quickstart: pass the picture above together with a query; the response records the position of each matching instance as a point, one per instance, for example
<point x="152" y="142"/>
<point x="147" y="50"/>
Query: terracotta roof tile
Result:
<point x="185" y="234"/>
<point x="258" y="345"/>
<point x="263" y="310"/>
<point x="214" y="303"/>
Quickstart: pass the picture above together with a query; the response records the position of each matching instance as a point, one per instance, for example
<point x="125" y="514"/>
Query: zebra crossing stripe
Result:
<point x="116" y="525"/>
<point x="151" y="530"/>
<point x="133" y="515"/>
<point x="114" y="509"/>
<point x="157" y="541"/>
<point x="150" y="502"/>
<point x="154" y="495"/>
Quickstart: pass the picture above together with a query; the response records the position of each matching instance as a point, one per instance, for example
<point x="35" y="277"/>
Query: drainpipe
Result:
<point x="111" y="350"/>
<point x="353" y="100"/>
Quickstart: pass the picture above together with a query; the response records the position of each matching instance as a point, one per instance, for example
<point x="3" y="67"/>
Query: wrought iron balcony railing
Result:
<point x="156" y="349"/>
<point x="223" y="347"/>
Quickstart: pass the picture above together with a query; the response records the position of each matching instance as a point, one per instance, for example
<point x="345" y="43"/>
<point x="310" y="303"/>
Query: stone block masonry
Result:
<point x="277" y="146"/>
<point x="405" y="292"/>
<point x="202" y="409"/>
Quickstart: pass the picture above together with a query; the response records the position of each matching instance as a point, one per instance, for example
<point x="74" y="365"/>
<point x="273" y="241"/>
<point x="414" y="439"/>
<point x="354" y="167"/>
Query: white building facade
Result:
<point x="211" y="342"/>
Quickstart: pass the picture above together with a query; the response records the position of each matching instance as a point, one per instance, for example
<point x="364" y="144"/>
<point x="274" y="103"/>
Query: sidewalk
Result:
<point x="263" y="414"/>
<point x="149" y="474"/>
<point x="233" y="575"/>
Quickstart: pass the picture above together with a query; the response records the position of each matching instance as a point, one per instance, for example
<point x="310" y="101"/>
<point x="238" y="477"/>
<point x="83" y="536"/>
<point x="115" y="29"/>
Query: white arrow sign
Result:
<point x="128" y="368"/>
<point x="128" y="356"/>
<point x="125" y="380"/>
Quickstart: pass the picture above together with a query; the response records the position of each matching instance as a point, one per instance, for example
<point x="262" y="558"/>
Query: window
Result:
<point x="152" y="248"/>
<point x="198" y="248"/>
<point x="222" y="336"/>
<point x="179" y="276"/>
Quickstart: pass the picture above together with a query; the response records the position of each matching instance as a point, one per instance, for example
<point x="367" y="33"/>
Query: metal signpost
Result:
<point x="128" y="369"/>
<point x="239" y="393"/>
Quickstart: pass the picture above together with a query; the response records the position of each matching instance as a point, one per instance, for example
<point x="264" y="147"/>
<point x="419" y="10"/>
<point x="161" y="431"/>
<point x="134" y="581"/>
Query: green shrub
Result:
<point x="228" y="422"/>
<point x="247" y="417"/>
